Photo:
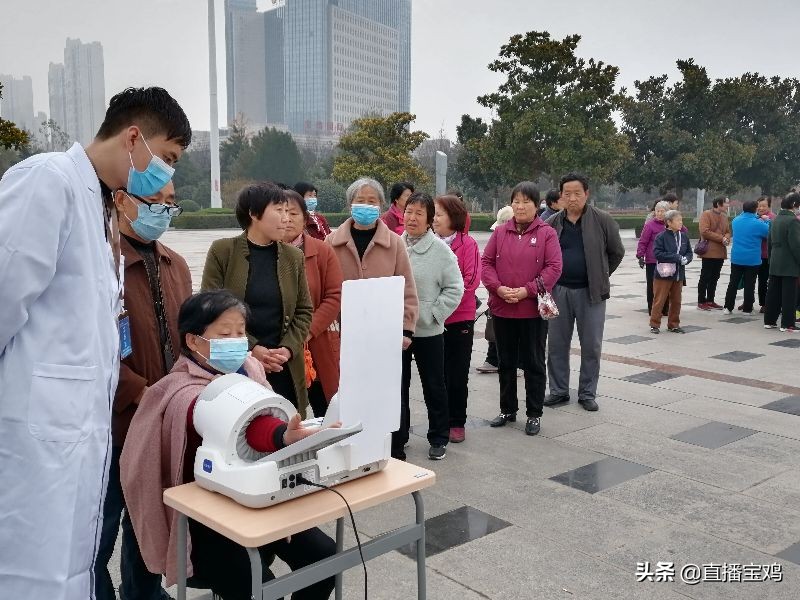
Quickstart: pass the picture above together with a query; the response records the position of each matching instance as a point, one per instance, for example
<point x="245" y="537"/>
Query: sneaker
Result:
<point x="677" y="330"/>
<point x="533" y="426"/>
<point x="768" y="326"/>
<point x="725" y="311"/>
<point x="703" y="306"/>
<point x="457" y="435"/>
<point x="655" y="330"/>
<point x="501" y="419"/>
<point x="715" y="306"/>
<point x="789" y="330"/>
<point x="437" y="452"/>
<point x="740" y="307"/>
<point x="486" y="368"/>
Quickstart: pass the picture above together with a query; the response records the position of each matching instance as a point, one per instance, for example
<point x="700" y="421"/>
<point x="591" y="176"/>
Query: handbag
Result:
<point x="666" y="270"/>
<point x="488" y="333"/>
<point x="548" y="309"/>
<point x="701" y="248"/>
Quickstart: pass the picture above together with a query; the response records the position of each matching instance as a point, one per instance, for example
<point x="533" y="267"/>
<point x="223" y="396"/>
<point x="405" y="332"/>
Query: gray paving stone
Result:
<point x="601" y="475"/>
<point x="766" y="448"/>
<point x="629" y="339"/>
<point x="737" y="356"/>
<point x="791" y="553"/>
<point x="790" y="343"/>
<point x="650" y="377"/>
<point x="721" y="390"/>
<point x="713" y="435"/>
<point x="789" y="405"/>
<point x="768" y="421"/>
<point x="783" y="489"/>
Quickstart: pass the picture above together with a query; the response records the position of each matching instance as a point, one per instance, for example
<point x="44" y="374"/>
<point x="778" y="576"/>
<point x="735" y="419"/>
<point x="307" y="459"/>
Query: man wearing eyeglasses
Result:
<point x="156" y="282"/>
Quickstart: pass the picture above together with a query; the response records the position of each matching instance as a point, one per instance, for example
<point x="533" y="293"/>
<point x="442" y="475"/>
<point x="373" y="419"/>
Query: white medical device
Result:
<point x="369" y="411"/>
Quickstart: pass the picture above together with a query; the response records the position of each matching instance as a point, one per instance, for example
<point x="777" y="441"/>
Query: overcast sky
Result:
<point x="165" y="42"/>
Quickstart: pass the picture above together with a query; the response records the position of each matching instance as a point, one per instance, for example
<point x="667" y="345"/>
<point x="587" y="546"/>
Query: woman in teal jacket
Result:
<point x="748" y="232"/>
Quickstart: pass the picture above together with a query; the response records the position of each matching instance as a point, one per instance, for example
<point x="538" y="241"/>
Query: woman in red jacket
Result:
<point x="450" y="224"/>
<point x="521" y="253"/>
<point x="324" y="275"/>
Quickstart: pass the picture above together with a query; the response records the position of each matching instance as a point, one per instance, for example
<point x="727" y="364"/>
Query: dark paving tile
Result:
<point x="792" y="553"/>
<point x="627" y="296"/>
<point x="454" y="528"/>
<point x="472" y="423"/>
<point x="643" y="311"/>
<point x="649" y="377"/>
<point x="713" y="435"/>
<point x="601" y="475"/>
<point x="737" y="320"/>
<point x="629" y="339"/>
<point x="694" y="328"/>
<point x="737" y="356"/>
<point x="787" y="343"/>
<point x="618" y="317"/>
<point x="789" y="405"/>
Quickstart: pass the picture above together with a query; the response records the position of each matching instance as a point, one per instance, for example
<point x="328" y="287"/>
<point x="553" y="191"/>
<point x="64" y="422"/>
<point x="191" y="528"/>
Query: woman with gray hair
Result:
<point x="644" y="251"/>
<point x="366" y="248"/>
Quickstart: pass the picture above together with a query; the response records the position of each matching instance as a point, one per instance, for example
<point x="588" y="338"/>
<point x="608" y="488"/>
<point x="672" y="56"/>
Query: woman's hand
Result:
<point x="273" y="363"/>
<point x="282" y="354"/>
<point x="406" y="342"/>
<point x="505" y="294"/>
<point x="519" y="293"/>
<point x="296" y="432"/>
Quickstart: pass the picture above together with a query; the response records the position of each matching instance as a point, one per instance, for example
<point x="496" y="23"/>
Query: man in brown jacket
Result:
<point x="716" y="229"/>
<point x="156" y="282"/>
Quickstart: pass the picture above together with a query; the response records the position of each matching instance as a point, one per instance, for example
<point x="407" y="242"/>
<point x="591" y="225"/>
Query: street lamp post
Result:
<point x="216" y="196"/>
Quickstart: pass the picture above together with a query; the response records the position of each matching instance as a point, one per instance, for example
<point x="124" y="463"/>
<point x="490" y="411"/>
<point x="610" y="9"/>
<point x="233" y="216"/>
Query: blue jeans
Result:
<point x="137" y="582"/>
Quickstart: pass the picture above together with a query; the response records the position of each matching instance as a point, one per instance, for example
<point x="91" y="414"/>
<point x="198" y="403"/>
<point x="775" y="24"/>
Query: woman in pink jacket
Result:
<point x="450" y="224"/>
<point x="521" y="254"/>
<point x="644" y="250"/>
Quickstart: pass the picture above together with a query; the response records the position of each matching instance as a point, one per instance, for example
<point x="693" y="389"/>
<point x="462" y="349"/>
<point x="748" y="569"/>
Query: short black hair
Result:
<point x="749" y="206"/>
<point x="574" y="176"/>
<point x="791" y="201"/>
<point x="719" y="201"/>
<point x="201" y="310"/>
<point x="253" y="200"/>
<point x="297" y="198"/>
<point x="151" y="109"/>
<point x="456" y="193"/>
<point x="527" y="189"/>
<point x="425" y="201"/>
<point x="671" y="197"/>
<point x="552" y="196"/>
<point x="397" y="190"/>
<point x="301" y="187"/>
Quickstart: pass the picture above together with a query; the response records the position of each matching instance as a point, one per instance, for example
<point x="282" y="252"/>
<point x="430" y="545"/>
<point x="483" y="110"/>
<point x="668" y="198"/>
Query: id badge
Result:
<point x="125" y="344"/>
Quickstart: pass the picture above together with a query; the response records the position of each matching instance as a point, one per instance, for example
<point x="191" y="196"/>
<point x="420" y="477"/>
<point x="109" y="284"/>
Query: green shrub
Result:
<point x="336" y="219"/>
<point x="199" y="220"/>
<point x="190" y="206"/>
<point x="217" y="211"/>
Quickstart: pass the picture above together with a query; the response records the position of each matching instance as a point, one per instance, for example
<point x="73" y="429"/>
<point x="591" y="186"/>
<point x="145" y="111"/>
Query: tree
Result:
<point x="682" y="136"/>
<point x="474" y="160"/>
<point x="56" y="139"/>
<point x="554" y="113"/>
<point x="234" y="145"/>
<point x="331" y="196"/>
<point x="380" y="147"/>
<point x="11" y="136"/>
<point x="273" y="155"/>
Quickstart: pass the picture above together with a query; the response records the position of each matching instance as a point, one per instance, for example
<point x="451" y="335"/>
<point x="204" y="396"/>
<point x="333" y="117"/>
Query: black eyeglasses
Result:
<point x="173" y="210"/>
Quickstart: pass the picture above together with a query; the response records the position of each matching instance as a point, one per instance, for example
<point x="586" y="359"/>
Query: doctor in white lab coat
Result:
<point x="60" y="350"/>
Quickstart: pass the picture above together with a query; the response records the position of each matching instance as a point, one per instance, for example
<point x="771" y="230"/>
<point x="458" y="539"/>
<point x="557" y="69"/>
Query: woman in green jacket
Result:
<point x="269" y="275"/>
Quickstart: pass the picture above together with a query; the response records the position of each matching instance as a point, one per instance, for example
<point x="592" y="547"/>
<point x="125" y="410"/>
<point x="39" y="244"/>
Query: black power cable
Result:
<point x="302" y="480"/>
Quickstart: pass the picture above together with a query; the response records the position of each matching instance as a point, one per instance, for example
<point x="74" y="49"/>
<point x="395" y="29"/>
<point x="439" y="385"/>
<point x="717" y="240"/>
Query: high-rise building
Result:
<point x="245" y="63"/>
<point x="16" y="105"/>
<point x="77" y="90"/>
<point x="329" y="62"/>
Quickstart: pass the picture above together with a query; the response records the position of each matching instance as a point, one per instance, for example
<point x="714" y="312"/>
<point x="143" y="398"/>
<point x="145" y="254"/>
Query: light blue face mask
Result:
<point x="311" y="204"/>
<point x="227" y="355"/>
<point x="364" y="214"/>
<point x="148" y="225"/>
<point x="152" y="179"/>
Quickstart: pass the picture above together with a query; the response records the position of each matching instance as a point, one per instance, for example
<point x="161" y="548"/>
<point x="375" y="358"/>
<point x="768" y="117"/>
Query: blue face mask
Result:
<point x="227" y="355"/>
<point x="148" y="225"/>
<point x="152" y="179"/>
<point x="364" y="214"/>
<point x="311" y="204"/>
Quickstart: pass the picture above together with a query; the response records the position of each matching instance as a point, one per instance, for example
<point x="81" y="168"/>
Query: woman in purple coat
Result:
<point x="644" y="251"/>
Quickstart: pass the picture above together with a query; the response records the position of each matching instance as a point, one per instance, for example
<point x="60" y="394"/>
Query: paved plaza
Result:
<point x="691" y="460"/>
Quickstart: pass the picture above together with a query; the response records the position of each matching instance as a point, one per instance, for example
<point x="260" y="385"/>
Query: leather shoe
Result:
<point x="501" y="419"/>
<point x="554" y="400"/>
<point x="588" y="404"/>
<point x="533" y="426"/>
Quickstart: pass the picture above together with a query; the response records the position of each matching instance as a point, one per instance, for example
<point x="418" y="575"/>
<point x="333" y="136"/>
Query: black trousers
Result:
<point x="781" y="299"/>
<point x="428" y="352"/>
<point x="458" y="338"/>
<point x="737" y="273"/>
<point x="225" y="566"/>
<point x="709" y="276"/>
<point x="283" y="384"/>
<point x="316" y="399"/>
<point x="763" y="278"/>
<point x="491" y="354"/>
<point x="649" y="272"/>
<point x="521" y="342"/>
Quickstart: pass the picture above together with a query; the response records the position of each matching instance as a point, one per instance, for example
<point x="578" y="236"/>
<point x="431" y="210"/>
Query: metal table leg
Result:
<point x="421" y="584"/>
<point x="183" y="524"/>
<point x="339" y="548"/>
<point x="255" y="572"/>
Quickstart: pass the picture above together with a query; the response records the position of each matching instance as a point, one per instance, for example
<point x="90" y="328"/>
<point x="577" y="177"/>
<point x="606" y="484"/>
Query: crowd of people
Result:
<point x="104" y="349"/>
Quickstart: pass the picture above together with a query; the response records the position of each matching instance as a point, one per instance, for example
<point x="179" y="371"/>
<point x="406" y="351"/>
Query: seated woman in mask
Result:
<point x="160" y="450"/>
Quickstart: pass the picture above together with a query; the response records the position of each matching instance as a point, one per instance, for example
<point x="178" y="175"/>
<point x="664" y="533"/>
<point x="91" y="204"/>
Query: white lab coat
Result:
<point x="59" y="361"/>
